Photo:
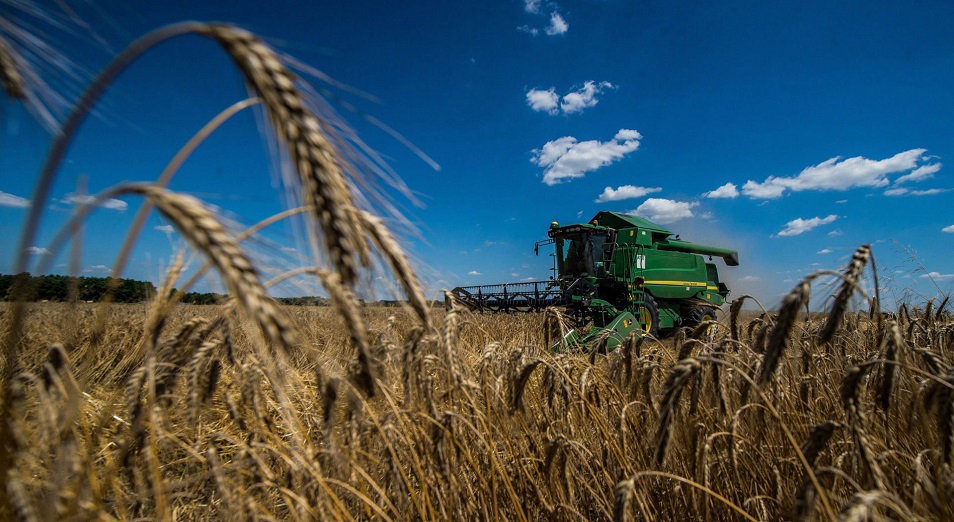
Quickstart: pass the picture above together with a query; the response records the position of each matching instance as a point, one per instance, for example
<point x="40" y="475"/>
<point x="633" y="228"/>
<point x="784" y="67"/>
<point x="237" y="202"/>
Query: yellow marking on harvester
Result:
<point x="675" y="283"/>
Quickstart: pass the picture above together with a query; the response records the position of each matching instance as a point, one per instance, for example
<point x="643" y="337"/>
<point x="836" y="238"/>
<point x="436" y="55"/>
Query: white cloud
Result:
<point x="824" y="251"/>
<point x="38" y="251"/>
<point x="557" y="25"/>
<point x="768" y="189"/>
<point x="837" y="174"/>
<point x="625" y="192"/>
<point x="529" y="30"/>
<point x="750" y="278"/>
<point x="572" y="102"/>
<point x="800" y="226"/>
<point x="949" y="230"/>
<point x="664" y="211"/>
<point x="566" y="158"/>
<point x="901" y="191"/>
<point x="938" y="277"/>
<point x="96" y="268"/>
<point x="9" y="200"/>
<point x="585" y="97"/>
<point x="727" y="191"/>
<point x="166" y="229"/>
<point x="82" y="199"/>
<point x="544" y="101"/>
<point x="919" y="174"/>
<point x="474" y="273"/>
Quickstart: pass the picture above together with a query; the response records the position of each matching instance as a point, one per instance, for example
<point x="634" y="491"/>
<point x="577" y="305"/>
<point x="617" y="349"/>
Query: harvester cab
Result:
<point x="616" y="275"/>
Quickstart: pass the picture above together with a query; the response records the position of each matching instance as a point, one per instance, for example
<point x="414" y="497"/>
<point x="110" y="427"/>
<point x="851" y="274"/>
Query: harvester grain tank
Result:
<point x="619" y="274"/>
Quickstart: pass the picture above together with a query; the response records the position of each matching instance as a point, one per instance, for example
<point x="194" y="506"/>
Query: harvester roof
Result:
<point x="621" y="221"/>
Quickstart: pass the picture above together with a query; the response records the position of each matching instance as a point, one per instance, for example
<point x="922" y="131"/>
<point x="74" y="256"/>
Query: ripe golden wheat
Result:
<point x="251" y="410"/>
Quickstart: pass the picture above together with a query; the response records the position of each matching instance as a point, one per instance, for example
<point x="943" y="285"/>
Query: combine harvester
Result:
<point x="620" y="274"/>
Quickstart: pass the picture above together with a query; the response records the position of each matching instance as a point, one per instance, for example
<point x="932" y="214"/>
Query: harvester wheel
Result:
<point x="649" y="315"/>
<point x="697" y="316"/>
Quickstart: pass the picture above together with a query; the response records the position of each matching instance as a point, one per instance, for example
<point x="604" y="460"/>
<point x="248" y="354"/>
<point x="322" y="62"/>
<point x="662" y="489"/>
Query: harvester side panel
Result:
<point x="673" y="275"/>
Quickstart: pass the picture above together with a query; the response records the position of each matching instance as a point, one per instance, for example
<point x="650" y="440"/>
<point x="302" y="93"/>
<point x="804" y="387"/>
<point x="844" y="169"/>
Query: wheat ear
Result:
<point x="848" y="285"/>
<point x="680" y="376"/>
<point x="397" y="259"/>
<point x="778" y="339"/>
<point x="811" y="448"/>
<point x="322" y="177"/>
<point x="849" y="397"/>
<point x="10" y="76"/>
<point x="889" y="366"/>
<point x="201" y="228"/>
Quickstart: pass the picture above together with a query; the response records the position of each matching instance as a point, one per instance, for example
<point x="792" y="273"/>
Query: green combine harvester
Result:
<point x="616" y="274"/>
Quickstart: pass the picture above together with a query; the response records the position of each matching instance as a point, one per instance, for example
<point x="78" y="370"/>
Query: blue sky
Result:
<point x="793" y="134"/>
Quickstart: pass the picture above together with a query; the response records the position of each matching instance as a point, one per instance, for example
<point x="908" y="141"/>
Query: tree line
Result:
<point x="26" y="287"/>
<point x="61" y="288"/>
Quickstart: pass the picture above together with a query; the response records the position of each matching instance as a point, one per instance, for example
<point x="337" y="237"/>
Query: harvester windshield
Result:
<point x="580" y="253"/>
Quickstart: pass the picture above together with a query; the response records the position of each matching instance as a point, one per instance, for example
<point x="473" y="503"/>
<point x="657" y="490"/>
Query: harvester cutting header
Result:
<point x="621" y="274"/>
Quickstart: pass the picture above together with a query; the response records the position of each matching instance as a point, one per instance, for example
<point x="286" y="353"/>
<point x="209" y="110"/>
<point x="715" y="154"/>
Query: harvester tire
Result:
<point x="697" y="316"/>
<point x="649" y="315"/>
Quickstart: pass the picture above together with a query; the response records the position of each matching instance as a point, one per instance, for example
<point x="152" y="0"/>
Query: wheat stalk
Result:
<point x="849" y="284"/>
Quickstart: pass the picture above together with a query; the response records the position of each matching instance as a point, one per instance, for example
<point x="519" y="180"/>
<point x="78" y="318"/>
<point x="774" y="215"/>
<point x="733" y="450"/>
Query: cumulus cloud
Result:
<point x="625" y="192"/>
<point x="750" y="278"/>
<point x="949" y="230"/>
<point x="474" y="273"/>
<point x="38" y="251"/>
<point x="938" y="277"/>
<point x="664" y="211"/>
<point x="82" y="199"/>
<point x="544" y="101"/>
<point x="572" y="102"/>
<point x="567" y="158"/>
<point x="766" y="190"/>
<point x="557" y="25"/>
<point x="824" y="251"/>
<point x="9" y="200"/>
<point x="585" y="97"/>
<point x="839" y="174"/>
<point x="167" y="229"/>
<point x="800" y="226"/>
<point x="727" y="191"/>
<point x="919" y="174"/>
<point x="96" y="269"/>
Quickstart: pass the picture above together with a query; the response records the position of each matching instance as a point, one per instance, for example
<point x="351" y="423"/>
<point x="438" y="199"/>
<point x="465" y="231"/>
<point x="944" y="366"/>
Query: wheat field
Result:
<point x="253" y="410"/>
